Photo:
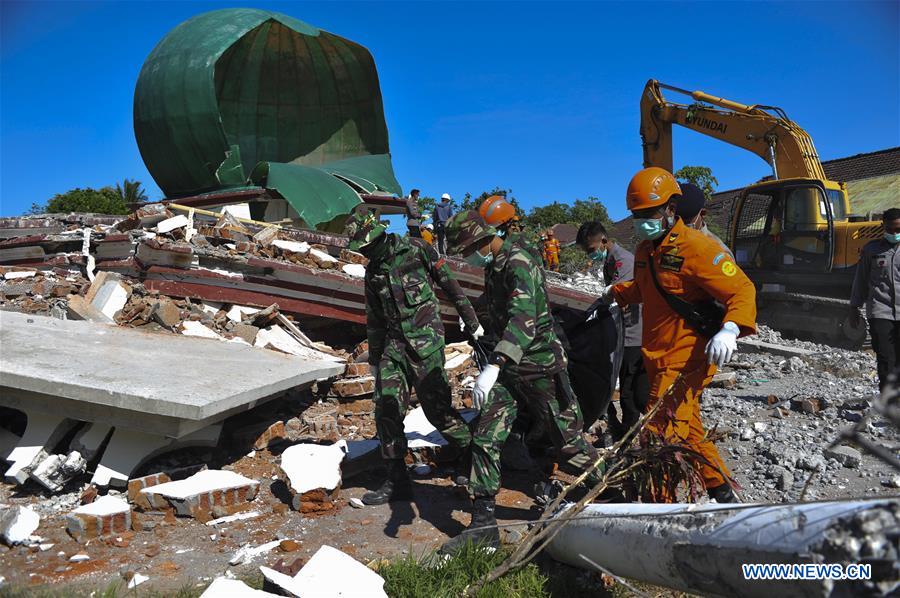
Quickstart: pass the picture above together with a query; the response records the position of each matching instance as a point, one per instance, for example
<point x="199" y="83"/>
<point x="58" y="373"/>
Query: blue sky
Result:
<point x="538" y="97"/>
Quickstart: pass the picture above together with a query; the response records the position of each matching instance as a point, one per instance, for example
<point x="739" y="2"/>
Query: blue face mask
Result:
<point x="892" y="239"/>
<point x="478" y="260"/>
<point x="598" y="256"/>
<point x="648" y="229"/>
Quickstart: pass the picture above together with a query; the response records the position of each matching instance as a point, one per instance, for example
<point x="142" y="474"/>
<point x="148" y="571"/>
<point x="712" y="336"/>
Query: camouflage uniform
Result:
<point x="534" y="373"/>
<point x="406" y="339"/>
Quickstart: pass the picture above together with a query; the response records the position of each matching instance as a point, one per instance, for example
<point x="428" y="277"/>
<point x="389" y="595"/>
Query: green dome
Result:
<point x="227" y="91"/>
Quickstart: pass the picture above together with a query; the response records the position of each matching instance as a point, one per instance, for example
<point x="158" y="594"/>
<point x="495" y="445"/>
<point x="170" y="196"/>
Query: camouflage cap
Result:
<point x="466" y="229"/>
<point x="362" y="228"/>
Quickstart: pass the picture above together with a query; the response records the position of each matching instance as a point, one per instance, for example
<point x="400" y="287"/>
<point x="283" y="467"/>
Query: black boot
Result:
<point x="482" y="531"/>
<point x="722" y="494"/>
<point x="397" y="486"/>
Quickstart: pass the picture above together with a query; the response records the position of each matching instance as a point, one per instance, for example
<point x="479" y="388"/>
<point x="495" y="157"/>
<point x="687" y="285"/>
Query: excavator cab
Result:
<point x="786" y="227"/>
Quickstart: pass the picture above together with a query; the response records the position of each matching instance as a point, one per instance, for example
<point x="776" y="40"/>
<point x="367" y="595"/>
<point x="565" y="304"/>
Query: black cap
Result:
<point x="690" y="203"/>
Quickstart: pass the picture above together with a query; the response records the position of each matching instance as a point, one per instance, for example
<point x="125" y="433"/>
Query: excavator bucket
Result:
<point x="240" y="97"/>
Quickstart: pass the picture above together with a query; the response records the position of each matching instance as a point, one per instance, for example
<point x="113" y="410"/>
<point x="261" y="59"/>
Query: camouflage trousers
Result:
<point x="550" y="401"/>
<point x="398" y="373"/>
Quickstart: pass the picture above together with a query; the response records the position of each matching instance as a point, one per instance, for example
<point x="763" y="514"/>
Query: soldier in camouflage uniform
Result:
<point x="528" y="362"/>
<point x="406" y="343"/>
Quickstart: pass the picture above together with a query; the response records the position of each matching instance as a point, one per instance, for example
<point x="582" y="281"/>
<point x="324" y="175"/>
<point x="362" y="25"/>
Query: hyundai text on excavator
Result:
<point x="792" y="233"/>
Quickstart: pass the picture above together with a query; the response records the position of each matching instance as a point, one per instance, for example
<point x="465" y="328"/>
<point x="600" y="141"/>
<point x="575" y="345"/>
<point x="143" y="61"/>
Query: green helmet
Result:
<point x="363" y="228"/>
<point x="466" y="229"/>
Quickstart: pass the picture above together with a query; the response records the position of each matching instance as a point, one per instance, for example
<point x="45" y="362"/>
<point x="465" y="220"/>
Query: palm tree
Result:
<point x="131" y="192"/>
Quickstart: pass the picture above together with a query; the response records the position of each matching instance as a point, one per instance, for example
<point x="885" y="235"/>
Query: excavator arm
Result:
<point x="764" y="130"/>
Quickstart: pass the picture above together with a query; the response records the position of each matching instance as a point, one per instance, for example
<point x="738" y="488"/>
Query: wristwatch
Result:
<point x="497" y="359"/>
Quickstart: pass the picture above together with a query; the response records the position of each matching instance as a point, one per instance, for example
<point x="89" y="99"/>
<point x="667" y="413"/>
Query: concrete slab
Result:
<point x="752" y="345"/>
<point x="156" y="383"/>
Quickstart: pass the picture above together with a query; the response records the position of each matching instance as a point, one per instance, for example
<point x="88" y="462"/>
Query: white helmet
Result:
<point x="446" y="196"/>
<point x="429" y="226"/>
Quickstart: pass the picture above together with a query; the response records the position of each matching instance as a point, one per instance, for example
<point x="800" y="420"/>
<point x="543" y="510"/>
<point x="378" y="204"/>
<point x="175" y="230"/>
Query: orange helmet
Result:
<point x="651" y="188"/>
<point x="496" y="211"/>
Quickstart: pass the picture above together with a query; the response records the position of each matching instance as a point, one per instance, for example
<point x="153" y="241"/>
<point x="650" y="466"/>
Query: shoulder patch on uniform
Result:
<point x="618" y="264"/>
<point x="440" y="263"/>
<point x="671" y="262"/>
<point x="673" y="250"/>
<point x="728" y="268"/>
<point x="718" y="259"/>
<point x="672" y="237"/>
<point x="640" y="264"/>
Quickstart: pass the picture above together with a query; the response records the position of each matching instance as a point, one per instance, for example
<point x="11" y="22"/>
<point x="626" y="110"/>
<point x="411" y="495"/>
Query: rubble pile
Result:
<point x="783" y="413"/>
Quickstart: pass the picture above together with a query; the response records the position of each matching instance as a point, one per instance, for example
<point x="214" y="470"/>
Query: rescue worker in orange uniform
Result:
<point x="551" y="251"/>
<point x="694" y="268"/>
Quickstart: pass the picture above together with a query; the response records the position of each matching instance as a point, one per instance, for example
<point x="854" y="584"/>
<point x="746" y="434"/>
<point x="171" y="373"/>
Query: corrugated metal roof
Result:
<point x="229" y="89"/>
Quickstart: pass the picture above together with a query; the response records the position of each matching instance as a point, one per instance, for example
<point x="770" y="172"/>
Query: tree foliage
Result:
<point x="131" y="191"/>
<point x="702" y="176"/>
<point x="99" y="201"/>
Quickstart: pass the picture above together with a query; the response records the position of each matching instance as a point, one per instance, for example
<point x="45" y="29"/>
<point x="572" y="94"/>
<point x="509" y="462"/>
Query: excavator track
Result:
<point x="810" y="317"/>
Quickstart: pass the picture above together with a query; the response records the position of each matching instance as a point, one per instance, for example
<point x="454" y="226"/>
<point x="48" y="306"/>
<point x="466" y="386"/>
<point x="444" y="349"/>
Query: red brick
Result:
<point x="354" y="387"/>
<point x="274" y="432"/>
<point x="147" y="502"/>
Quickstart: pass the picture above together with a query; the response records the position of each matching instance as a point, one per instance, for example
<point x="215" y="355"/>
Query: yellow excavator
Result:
<point x="792" y="233"/>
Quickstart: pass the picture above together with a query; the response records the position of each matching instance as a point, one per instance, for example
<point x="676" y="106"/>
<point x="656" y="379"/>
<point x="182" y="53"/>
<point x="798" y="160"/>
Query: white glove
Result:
<point x="723" y="345"/>
<point x="479" y="332"/>
<point x="483" y="385"/>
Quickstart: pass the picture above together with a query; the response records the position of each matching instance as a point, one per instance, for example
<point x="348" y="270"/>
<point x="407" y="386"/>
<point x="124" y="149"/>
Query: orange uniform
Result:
<point x="693" y="267"/>
<point x="551" y="253"/>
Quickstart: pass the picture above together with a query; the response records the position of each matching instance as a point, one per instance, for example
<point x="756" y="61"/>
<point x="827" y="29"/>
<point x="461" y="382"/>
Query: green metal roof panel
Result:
<point x="228" y="89"/>
<point x="317" y="196"/>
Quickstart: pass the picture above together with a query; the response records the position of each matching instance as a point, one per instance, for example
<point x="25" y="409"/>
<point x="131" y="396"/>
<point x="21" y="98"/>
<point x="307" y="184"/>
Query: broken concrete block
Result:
<point x="207" y="494"/>
<point x="354" y="270"/>
<point x="77" y="308"/>
<point x="275" y="337"/>
<point x="302" y="248"/>
<point x="89" y="439"/>
<point x="105" y="516"/>
<point x="420" y="433"/>
<point x="54" y="471"/>
<point x="752" y="345"/>
<point x="147" y="502"/>
<point x="170" y="224"/>
<point x="166" y="313"/>
<point x="152" y="252"/>
<point x="353" y="387"/>
<point x="353" y="257"/>
<point x="313" y="475"/>
<point x="322" y="259"/>
<point x="845" y="455"/>
<point x="266" y="235"/>
<point x="193" y="328"/>
<point x="457" y="362"/>
<point x="128" y="449"/>
<point x="238" y="313"/>
<point x="42" y="431"/>
<point x="19" y="274"/>
<point x="246" y="332"/>
<point x="108" y="294"/>
<point x="17" y="524"/>
<point x="724" y="380"/>
<point x="272" y="433"/>
<point x="330" y="573"/>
